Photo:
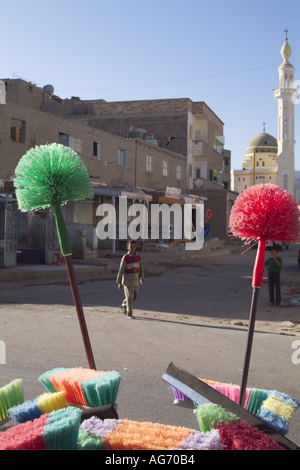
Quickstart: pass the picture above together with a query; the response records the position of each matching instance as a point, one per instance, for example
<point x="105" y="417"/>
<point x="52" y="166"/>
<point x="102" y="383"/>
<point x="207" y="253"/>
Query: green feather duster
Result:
<point x="52" y="175"/>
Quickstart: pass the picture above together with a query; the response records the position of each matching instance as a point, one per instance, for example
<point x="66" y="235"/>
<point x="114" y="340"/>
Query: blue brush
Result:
<point x="27" y="411"/>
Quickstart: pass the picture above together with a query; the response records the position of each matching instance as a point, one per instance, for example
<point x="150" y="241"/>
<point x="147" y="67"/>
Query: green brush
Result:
<point x="10" y="395"/>
<point x="52" y="175"/>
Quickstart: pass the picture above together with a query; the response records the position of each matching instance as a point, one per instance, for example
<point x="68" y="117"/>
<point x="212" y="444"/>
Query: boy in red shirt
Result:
<point x="130" y="273"/>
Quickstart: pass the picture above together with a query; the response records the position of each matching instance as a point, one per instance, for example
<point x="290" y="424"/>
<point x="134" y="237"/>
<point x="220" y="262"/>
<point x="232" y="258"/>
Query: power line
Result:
<point x="177" y="81"/>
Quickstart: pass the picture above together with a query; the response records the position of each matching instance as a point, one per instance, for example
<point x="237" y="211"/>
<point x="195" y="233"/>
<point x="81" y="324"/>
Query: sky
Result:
<point x="223" y="52"/>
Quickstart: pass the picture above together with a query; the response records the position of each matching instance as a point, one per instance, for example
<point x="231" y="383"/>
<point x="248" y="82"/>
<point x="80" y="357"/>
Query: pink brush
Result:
<point x="264" y="213"/>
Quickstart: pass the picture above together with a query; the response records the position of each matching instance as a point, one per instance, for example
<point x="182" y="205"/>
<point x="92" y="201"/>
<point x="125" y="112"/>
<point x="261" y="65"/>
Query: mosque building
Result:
<point x="271" y="160"/>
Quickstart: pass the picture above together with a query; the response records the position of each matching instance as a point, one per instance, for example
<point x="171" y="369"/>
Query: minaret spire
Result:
<point x="286" y="141"/>
<point x="286" y="31"/>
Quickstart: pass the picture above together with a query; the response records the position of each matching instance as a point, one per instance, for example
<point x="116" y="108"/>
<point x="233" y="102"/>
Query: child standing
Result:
<point x="130" y="273"/>
<point x="274" y="265"/>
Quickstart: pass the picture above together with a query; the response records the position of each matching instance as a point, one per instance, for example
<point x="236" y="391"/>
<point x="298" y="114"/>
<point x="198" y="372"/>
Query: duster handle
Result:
<point x="80" y="314"/>
<point x="66" y="250"/>
<point x="259" y="266"/>
<point x="62" y="232"/>
<point x="247" y="357"/>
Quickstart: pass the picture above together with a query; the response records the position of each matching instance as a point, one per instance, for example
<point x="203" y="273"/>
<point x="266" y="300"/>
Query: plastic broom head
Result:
<point x="266" y="212"/>
<point x="51" y="174"/>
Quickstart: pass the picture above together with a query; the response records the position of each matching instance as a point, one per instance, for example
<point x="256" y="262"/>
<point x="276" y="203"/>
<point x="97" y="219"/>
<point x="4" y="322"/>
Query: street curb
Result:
<point x="91" y="271"/>
<point x="94" y="271"/>
<point x="209" y="254"/>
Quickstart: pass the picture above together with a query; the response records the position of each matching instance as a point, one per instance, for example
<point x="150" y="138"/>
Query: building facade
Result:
<point x="110" y="159"/>
<point x="259" y="165"/>
<point x="181" y="125"/>
<point x="117" y="166"/>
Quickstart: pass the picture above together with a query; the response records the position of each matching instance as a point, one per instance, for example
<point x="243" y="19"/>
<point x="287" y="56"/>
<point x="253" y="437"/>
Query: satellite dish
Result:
<point x="49" y="89"/>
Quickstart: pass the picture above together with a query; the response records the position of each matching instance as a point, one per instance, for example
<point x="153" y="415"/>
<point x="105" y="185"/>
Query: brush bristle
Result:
<point x="57" y="430"/>
<point x="265" y="211"/>
<point x="27" y="411"/>
<point x="209" y="414"/>
<point x="51" y="174"/>
<point x="52" y="401"/>
<point x="10" y="395"/>
<point x="69" y="381"/>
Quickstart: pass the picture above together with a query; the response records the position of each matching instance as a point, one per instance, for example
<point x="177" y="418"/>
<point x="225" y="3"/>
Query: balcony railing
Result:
<point x="203" y="152"/>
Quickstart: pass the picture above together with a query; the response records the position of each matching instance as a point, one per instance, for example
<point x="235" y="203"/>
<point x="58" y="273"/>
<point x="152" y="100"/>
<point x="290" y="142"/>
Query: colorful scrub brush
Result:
<point x="254" y="397"/>
<point x="52" y="175"/>
<point x="27" y="411"/>
<point x="277" y="410"/>
<point x="201" y="393"/>
<point x="44" y="378"/>
<point x="10" y="395"/>
<point x="52" y="431"/>
<point x="224" y="431"/>
<point x="264" y="213"/>
<point x="236" y="434"/>
<point x="85" y="387"/>
<point x="34" y="408"/>
<point x="112" y="434"/>
<point x="259" y="402"/>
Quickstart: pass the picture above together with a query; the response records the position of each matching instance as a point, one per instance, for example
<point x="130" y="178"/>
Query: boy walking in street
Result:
<point x="130" y="274"/>
<point x="274" y="265"/>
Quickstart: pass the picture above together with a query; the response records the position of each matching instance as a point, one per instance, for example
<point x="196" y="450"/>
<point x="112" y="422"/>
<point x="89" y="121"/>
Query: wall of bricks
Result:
<point x="41" y="128"/>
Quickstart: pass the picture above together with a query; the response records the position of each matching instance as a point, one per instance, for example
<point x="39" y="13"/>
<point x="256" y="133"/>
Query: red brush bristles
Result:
<point x="267" y="212"/>
<point x="242" y="436"/>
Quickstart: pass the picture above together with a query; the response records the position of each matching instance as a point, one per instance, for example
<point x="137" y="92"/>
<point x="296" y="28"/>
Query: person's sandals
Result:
<point x="123" y="309"/>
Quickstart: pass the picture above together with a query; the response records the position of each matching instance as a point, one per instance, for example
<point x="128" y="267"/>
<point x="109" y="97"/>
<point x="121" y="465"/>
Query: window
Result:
<point x="149" y="163"/>
<point x="17" y="130"/>
<point x="178" y="172"/>
<point x="165" y="168"/>
<point x="198" y="173"/>
<point x="63" y="138"/>
<point x="121" y="157"/>
<point x="97" y="150"/>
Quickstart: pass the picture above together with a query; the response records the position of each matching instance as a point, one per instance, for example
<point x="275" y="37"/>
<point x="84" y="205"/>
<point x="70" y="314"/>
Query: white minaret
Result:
<point x="286" y="142"/>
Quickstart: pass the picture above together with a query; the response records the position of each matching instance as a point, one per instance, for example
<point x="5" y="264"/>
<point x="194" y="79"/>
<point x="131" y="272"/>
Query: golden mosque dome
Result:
<point x="263" y="140"/>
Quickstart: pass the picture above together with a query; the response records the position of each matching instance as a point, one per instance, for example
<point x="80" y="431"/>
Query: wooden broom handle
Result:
<point x="80" y="314"/>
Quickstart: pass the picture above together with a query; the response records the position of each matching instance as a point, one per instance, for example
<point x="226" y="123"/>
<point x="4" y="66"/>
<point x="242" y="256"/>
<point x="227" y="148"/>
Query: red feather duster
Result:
<point x="263" y="212"/>
<point x="267" y="212"/>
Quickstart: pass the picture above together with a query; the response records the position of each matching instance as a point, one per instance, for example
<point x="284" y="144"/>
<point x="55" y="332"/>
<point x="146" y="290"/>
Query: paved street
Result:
<point x="184" y="314"/>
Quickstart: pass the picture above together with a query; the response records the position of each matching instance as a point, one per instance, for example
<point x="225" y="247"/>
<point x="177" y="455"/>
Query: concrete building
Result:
<point x="181" y="125"/>
<point x="110" y="159"/>
<point x="117" y="166"/>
